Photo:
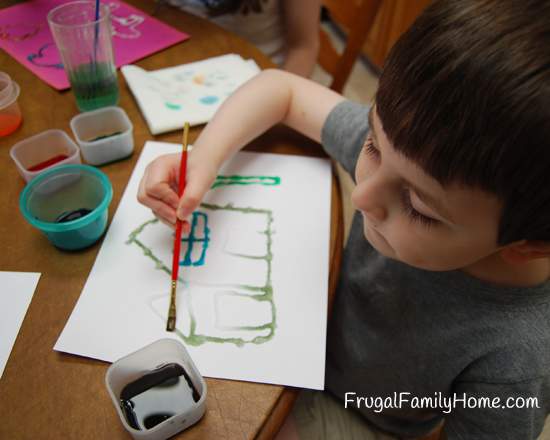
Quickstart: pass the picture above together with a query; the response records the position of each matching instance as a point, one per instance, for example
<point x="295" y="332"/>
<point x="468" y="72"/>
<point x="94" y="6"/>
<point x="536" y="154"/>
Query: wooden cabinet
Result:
<point x="393" y="18"/>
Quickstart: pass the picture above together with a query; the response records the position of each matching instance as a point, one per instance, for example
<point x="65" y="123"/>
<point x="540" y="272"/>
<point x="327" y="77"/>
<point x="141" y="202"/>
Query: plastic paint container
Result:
<point x="43" y="151"/>
<point x="104" y="135"/>
<point x="10" y="114"/>
<point x="69" y="204"/>
<point x="157" y="391"/>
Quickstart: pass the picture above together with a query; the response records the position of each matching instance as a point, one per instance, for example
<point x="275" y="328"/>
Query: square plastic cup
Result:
<point x="43" y="151"/>
<point x="103" y="135"/>
<point x="86" y="49"/>
<point x="10" y="114"/>
<point x="175" y="407"/>
<point x="69" y="204"/>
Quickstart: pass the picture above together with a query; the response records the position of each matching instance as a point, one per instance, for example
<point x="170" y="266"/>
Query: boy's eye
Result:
<point x="412" y="213"/>
<point x="370" y="149"/>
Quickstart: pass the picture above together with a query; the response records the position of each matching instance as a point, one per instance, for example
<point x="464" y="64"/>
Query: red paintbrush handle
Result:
<point x="177" y="239"/>
<point x="176" y="255"/>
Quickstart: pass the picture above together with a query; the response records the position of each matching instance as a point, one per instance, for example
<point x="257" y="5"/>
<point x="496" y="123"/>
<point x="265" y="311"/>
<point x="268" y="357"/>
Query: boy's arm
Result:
<point x="271" y="97"/>
<point x="302" y="35"/>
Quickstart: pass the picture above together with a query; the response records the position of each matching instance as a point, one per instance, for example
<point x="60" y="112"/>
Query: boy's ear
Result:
<point x="523" y="251"/>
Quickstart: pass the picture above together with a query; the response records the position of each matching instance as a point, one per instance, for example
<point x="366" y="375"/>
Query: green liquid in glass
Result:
<point x="94" y="85"/>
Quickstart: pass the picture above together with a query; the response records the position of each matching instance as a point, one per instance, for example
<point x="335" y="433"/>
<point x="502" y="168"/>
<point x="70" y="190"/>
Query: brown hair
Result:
<point x="465" y="93"/>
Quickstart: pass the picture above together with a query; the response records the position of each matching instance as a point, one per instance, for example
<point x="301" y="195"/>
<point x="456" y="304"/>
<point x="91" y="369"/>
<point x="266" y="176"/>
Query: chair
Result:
<point x="355" y="17"/>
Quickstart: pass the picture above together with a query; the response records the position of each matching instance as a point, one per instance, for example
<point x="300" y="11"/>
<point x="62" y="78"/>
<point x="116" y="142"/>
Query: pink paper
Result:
<point x="25" y="35"/>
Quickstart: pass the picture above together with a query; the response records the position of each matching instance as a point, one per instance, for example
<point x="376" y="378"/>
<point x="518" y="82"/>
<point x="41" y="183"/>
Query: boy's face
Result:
<point x="410" y="217"/>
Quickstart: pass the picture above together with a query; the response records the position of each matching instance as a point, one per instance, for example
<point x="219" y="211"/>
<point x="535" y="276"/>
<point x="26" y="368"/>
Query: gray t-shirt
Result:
<point x="398" y="329"/>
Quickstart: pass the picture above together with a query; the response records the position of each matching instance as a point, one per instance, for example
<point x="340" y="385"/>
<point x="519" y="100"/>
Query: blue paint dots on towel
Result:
<point x="209" y="100"/>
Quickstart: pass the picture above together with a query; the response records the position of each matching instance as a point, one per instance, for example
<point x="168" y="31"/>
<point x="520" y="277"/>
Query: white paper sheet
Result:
<point x="190" y="92"/>
<point x="252" y="304"/>
<point x="15" y="296"/>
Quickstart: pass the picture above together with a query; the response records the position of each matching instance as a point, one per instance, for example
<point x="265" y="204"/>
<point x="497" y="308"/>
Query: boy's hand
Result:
<point x="158" y="188"/>
<point x="269" y="98"/>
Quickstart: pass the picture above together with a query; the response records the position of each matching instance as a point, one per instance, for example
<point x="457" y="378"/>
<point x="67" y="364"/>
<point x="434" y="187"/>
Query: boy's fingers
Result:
<point x="185" y="227"/>
<point x="163" y="192"/>
<point x="147" y="194"/>
<point x="167" y="223"/>
<point x="158" y="184"/>
<point x="157" y="206"/>
<point x="142" y="194"/>
<point x="158" y="191"/>
<point x="192" y="196"/>
<point x="162" y="211"/>
<point x="187" y="205"/>
<point x="159" y="178"/>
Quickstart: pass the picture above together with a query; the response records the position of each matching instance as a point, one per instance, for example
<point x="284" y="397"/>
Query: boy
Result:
<point x="447" y="297"/>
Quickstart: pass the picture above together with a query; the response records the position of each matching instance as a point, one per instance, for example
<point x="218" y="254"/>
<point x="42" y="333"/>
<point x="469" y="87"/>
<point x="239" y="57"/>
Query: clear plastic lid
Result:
<point x="9" y="90"/>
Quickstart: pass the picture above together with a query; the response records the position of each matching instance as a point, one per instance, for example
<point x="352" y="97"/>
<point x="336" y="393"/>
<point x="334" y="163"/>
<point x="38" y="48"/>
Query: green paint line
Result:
<point x="248" y="257"/>
<point x="198" y="339"/>
<point x="132" y="238"/>
<point x="246" y="180"/>
<point x="251" y="327"/>
<point x="260" y="293"/>
<point x="230" y="207"/>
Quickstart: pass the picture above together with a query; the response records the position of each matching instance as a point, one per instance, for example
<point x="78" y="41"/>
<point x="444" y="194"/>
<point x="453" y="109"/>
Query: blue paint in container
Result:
<point x="69" y="204"/>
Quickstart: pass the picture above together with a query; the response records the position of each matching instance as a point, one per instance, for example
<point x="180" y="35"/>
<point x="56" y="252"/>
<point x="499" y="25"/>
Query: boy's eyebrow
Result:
<point x="426" y="198"/>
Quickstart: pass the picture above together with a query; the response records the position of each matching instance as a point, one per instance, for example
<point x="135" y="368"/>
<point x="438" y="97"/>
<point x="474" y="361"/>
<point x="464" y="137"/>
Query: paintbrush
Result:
<point x="91" y="92"/>
<point x="96" y="27"/>
<point x="171" y="322"/>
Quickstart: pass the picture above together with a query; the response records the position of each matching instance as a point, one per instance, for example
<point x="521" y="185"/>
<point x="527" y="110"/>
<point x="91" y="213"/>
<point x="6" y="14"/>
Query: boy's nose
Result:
<point x="369" y="196"/>
<point x="376" y="215"/>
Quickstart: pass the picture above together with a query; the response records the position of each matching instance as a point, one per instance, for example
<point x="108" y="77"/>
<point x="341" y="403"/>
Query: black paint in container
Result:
<point x="157" y="390"/>
<point x="157" y="396"/>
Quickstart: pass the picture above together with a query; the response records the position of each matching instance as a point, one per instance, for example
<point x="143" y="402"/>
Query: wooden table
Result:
<point x="50" y="395"/>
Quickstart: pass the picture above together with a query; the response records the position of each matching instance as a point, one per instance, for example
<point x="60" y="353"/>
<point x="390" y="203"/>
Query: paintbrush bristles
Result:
<point x="171" y="323"/>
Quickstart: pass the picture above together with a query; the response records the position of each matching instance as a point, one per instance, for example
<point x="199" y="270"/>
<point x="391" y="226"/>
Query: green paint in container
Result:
<point x="94" y="85"/>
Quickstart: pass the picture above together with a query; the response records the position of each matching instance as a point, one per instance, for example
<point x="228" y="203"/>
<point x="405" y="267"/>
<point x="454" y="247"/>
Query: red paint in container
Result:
<point x="9" y="123"/>
<point x="10" y="114"/>
<point x="47" y="163"/>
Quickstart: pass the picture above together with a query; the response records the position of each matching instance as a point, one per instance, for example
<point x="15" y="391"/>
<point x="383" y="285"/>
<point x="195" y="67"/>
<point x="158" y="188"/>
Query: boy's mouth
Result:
<point x="374" y="237"/>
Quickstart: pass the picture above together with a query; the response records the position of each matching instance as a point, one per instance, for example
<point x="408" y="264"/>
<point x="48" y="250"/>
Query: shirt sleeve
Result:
<point x="509" y="411"/>
<point x="344" y="133"/>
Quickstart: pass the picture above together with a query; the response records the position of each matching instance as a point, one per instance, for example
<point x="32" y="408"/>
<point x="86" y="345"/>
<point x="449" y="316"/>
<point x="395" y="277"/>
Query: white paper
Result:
<point x="190" y="92"/>
<point x="15" y="296"/>
<point x="229" y="330"/>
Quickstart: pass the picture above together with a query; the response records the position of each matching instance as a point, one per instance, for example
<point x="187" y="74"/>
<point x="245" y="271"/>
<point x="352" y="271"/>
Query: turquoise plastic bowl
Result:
<point x="49" y="203"/>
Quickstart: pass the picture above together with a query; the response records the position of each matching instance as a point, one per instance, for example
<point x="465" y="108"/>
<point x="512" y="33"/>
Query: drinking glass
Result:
<point x="86" y="49"/>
